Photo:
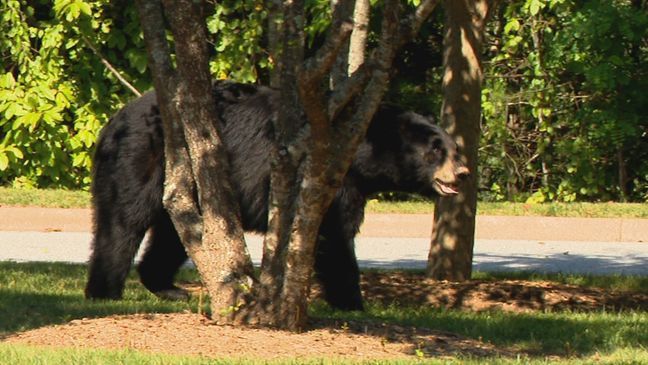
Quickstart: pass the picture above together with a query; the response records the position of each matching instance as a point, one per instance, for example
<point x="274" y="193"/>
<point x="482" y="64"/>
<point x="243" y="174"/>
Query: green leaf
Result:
<point x="14" y="109"/>
<point x="535" y="6"/>
<point x="15" y="151"/>
<point x="512" y="26"/>
<point x="79" y="159"/>
<point x="85" y="8"/>
<point x="29" y="120"/>
<point x="7" y="81"/>
<point x="4" y="161"/>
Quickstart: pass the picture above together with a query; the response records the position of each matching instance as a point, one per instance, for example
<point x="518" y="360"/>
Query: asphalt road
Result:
<point x="595" y="257"/>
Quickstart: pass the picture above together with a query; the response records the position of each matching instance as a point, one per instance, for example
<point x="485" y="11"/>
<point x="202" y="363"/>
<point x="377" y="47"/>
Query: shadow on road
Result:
<point x="555" y="263"/>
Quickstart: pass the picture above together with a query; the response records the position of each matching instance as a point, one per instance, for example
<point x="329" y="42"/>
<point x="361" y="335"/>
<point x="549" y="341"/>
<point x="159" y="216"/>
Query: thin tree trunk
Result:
<point x="451" y="250"/>
<point x="358" y="40"/>
<point x="623" y="175"/>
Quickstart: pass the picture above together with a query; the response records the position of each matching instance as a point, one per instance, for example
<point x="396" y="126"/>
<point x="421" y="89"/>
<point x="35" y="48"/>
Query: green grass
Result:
<point x="39" y="294"/>
<point x="81" y="199"/>
<point x="587" y="210"/>
<point x="44" y="198"/>
<point x="566" y="334"/>
<point x="26" y="355"/>
<point x="33" y="295"/>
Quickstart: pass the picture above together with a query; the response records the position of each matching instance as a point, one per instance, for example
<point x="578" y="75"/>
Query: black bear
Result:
<point x="402" y="151"/>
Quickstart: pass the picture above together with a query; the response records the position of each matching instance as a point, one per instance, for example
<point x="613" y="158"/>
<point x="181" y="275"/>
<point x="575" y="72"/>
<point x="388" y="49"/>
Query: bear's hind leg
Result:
<point x="115" y="247"/>
<point x="162" y="259"/>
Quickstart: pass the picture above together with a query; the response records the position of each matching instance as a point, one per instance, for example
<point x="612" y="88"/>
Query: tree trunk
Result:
<point x="313" y="155"/>
<point x="623" y="175"/>
<point x="210" y="228"/>
<point x="453" y="232"/>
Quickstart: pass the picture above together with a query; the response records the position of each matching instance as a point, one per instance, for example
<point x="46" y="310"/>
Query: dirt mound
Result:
<point x="193" y="334"/>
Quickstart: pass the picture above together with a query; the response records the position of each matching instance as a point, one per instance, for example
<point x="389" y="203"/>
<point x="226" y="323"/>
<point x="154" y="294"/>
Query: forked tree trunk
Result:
<point x="196" y="162"/>
<point x="312" y="158"/>
<point x="453" y="232"/>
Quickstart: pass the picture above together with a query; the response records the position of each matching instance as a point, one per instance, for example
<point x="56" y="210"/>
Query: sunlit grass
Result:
<point x="81" y="199"/>
<point x="30" y="355"/>
<point x="49" y="198"/>
<point x="584" y="210"/>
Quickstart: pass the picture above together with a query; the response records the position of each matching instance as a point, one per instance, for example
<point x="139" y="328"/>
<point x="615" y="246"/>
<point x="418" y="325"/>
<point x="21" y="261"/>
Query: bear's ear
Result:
<point x="416" y="132"/>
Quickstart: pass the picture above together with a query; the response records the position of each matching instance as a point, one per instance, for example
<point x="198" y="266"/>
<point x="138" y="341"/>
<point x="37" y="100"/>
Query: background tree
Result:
<point x="453" y="232"/>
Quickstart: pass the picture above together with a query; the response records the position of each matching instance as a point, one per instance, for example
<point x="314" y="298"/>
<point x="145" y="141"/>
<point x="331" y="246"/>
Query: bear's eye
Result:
<point x="437" y="145"/>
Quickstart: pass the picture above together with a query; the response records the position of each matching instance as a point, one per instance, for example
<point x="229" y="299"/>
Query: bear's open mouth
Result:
<point x="446" y="188"/>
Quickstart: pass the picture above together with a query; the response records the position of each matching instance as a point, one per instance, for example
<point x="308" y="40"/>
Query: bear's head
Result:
<point x="415" y="155"/>
<point x="431" y="154"/>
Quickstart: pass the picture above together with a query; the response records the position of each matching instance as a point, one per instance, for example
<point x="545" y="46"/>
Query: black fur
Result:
<point x="402" y="151"/>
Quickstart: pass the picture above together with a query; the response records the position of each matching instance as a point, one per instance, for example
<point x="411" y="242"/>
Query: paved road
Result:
<point x="394" y="252"/>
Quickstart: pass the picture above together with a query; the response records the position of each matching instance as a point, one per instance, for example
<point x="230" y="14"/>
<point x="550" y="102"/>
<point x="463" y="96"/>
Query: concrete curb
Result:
<point x="385" y="225"/>
<point x="516" y="228"/>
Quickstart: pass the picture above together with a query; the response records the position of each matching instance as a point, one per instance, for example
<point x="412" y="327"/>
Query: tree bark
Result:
<point x="453" y="232"/>
<point x="209" y="227"/>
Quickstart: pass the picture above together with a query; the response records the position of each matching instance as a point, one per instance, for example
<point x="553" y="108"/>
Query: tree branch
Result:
<point x="321" y="63"/>
<point x="381" y="57"/>
<point x="347" y="135"/>
<point x="110" y="67"/>
<point x="411" y="27"/>
<point x="347" y="90"/>
<point x="340" y="30"/>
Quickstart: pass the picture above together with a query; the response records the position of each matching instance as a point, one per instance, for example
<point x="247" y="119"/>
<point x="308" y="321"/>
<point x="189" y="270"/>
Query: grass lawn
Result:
<point x="34" y="295"/>
<point x="81" y="199"/>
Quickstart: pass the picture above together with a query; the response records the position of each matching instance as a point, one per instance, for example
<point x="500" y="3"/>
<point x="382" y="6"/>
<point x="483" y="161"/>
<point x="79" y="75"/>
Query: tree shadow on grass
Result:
<point x="34" y="295"/>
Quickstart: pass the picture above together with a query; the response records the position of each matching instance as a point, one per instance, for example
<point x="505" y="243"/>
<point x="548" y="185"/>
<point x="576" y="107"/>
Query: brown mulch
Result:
<point x="193" y="334"/>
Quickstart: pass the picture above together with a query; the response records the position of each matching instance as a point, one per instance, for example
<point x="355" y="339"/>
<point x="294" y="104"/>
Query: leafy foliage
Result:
<point x="54" y="91"/>
<point x="564" y="104"/>
<point x="237" y="29"/>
